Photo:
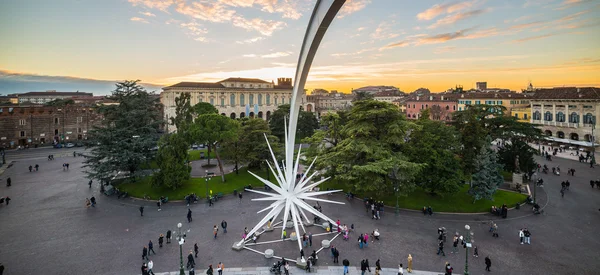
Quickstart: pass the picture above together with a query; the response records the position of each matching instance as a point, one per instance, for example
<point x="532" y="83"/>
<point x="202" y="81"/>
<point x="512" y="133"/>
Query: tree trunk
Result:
<point x="219" y="163"/>
<point x="208" y="154"/>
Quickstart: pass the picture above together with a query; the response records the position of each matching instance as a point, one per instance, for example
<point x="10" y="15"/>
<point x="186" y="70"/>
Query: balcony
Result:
<point x="558" y="124"/>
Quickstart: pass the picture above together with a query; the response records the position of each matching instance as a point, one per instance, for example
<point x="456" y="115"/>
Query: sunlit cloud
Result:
<point x="439" y="9"/>
<point x="570" y="3"/>
<point x="399" y="44"/>
<point x="289" y="9"/>
<point x="352" y="6"/>
<point x="147" y="13"/>
<point x="138" y="19"/>
<point x="385" y="30"/>
<point x="453" y="18"/>
<point x="354" y="53"/>
<point x="265" y="27"/>
<point x="251" y="40"/>
<point x="276" y="55"/>
<point x="162" y="5"/>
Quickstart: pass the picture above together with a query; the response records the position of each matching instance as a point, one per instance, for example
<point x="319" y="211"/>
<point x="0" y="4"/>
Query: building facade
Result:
<point x="377" y="89"/>
<point x="441" y="106"/>
<point x="567" y="113"/>
<point x="235" y="97"/>
<point x="330" y="102"/>
<point x="522" y="114"/>
<point x="41" y="125"/>
<point x="47" y="96"/>
<point x="508" y="100"/>
<point x="388" y="97"/>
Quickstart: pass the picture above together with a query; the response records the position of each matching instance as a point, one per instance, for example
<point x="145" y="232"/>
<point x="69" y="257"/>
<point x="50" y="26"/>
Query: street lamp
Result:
<point x="181" y="240"/>
<point x="535" y="176"/>
<point x="207" y="179"/>
<point x="467" y="245"/>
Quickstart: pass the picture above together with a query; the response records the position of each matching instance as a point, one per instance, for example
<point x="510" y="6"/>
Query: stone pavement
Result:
<point x="320" y="270"/>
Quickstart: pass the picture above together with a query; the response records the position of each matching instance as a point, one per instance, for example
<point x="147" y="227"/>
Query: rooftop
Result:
<point x="55" y="93"/>
<point x="568" y="93"/>
<point x="239" y="79"/>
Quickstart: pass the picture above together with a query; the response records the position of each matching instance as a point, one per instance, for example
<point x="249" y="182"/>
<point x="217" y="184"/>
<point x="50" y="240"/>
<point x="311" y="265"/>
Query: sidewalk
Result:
<point x="321" y="270"/>
<point x="566" y="153"/>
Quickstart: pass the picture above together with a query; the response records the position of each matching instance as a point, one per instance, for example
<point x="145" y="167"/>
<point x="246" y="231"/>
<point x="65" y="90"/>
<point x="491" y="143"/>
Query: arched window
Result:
<point x="259" y="99"/>
<point x="574" y="117"/>
<point x="242" y="101"/>
<point x="232" y="100"/>
<point x="251" y="99"/>
<point x="537" y="115"/>
<point x="588" y="118"/>
<point x="560" y="117"/>
<point x="268" y="99"/>
<point x="548" y="116"/>
<point x="447" y="107"/>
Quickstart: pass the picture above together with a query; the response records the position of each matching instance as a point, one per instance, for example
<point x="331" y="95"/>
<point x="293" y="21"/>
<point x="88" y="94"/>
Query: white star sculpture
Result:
<point x="290" y="196"/>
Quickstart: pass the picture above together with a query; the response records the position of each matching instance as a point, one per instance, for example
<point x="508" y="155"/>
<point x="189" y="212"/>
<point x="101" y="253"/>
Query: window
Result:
<point x="477" y="102"/>
<point x="259" y="99"/>
<point x="56" y="120"/>
<point x="574" y="117"/>
<point x="516" y="115"/>
<point x="447" y="107"/>
<point x="232" y="100"/>
<point x="22" y="134"/>
<point x="268" y="99"/>
<point x="212" y="101"/>
<point x="222" y="102"/>
<point x="277" y="98"/>
<point x="537" y="115"/>
<point x="560" y="117"/>
<point x="524" y="116"/>
<point x="79" y="130"/>
<point x="499" y="102"/>
<point x="548" y="116"/>
<point x="242" y="101"/>
<point x="283" y="100"/>
<point x="79" y="119"/>
<point x="453" y="108"/>
<point x="460" y="108"/>
<point x="251" y="100"/>
<point x="588" y="118"/>
<point x="56" y="132"/>
<point x="22" y="122"/>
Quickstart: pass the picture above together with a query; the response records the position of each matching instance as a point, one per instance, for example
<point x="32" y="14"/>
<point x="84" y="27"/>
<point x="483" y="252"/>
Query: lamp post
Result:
<point x="181" y="240"/>
<point x="535" y="176"/>
<point x="394" y="176"/>
<point x="467" y="245"/>
<point x="207" y="178"/>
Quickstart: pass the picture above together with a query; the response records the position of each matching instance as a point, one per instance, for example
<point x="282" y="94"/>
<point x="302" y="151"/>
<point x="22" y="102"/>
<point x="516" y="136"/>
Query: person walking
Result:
<point x="455" y="245"/>
<point x="377" y="267"/>
<point x="495" y="230"/>
<point x="145" y="269"/>
<point x="220" y="268"/>
<point x="400" y="270"/>
<point x="30" y="168"/>
<point x="196" y="249"/>
<point x="142" y="211"/>
<point x="521" y="235"/>
<point x="475" y="252"/>
<point x="93" y="201"/>
<point x="209" y="271"/>
<point x="309" y="239"/>
<point x="527" y="236"/>
<point x="190" y="261"/>
<point x="7" y="200"/>
<point x="449" y="269"/>
<point x="286" y="267"/>
<point x="346" y="263"/>
<point x="158" y="203"/>
<point x="488" y="263"/>
<point x="240" y="195"/>
<point x="336" y="254"/>
<point x="87" y="203"/>
<point x="366" y="237"/>
<point x="363" y="267"/>
<point x="151" y="247"/>
<point x="441" y="248"/>
<point x="160" y="240"/>
<point x="90" y="183"/>
<point x="168" y="236"/>
<point x="224" y="226"/>
<point x="37" y="167"/>
<point x="361" y="239"/>
<point x="189" y="215"/>
<point x="8" y="182"/>
<point x="409" y="265"/>
<point x="215" y="231"/>
<point x="145" y="253"/>
<point x="150" y="266"/>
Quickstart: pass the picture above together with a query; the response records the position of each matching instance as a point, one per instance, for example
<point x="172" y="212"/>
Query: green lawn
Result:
<point x="461" y="202"/>
<point x="195" y="154"/>
<point x="194" y="185"/>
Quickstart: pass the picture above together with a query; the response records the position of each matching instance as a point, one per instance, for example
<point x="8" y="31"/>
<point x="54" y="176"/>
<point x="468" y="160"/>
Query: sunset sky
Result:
<point x="86" y="45"/>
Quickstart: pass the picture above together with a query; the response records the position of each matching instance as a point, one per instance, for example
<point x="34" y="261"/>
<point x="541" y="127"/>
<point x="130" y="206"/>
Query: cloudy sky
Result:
<point x="86" y="45"/>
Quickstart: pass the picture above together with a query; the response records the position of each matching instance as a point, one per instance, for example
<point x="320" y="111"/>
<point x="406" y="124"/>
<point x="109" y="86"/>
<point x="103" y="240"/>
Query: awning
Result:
<point x="573" y="142"/>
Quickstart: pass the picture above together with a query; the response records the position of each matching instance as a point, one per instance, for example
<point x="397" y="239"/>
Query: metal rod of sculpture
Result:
<point x="289" y="196"/>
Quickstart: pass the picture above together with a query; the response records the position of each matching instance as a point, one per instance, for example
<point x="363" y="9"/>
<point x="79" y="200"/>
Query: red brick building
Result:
<point x="42" y="125"/>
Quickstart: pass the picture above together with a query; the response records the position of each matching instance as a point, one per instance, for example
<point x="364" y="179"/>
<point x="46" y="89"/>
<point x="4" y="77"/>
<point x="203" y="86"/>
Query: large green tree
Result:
<point x="488" y="173"/>
<point x="183" y="113"/>
<point x="307" y="122"/>
<point x="362" y="95"/>
<point x="510" y="150"/>
<point x="330" y="134"/>
<point x="123" y="140"/>
<point x="202" y="108"/>
<point x="251" y="146"/>
<point x="172" y="161"/>
<point x="213" y="130"/>
<point x="436" y="146"/>
<point x="371" y="149"/>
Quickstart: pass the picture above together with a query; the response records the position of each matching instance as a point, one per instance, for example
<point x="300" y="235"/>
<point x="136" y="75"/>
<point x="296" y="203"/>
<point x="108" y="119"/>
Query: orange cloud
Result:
<point x="162" y="5"/>
<point x="352" y="6"/>
<point x="265" y="27"/>
<point x="453" y="18"/>
<point x="138" y="19"/>
<point x="439" y="9"/>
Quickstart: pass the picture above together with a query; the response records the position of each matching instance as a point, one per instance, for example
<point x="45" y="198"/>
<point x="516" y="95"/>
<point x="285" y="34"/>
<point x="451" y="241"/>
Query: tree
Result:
<point x="488" y="174"/>
<point x="128" y="131"/>
<point x="251" y="146"/>
<point x="60" y="102"/>
<point x="203" y="108"/>
<point x="212" y="130"/>
<point x="172" y="160"/>
<point x="307" y="122"/>
<point x="371" y="149"/>
<point x="508" y="153"/>
<point x="436" y="146"/>
<point x="183" y="113"/>
<point x="362" y="95"/>
<point x="328" y="136"/>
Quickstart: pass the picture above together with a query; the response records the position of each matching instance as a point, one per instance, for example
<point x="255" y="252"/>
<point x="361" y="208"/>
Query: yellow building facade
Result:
<point x="522" y="114"/>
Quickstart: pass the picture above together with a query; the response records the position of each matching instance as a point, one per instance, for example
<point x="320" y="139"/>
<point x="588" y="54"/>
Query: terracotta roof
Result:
<point x="239" y="79"/>
<point x="568" y="93"/>
<point x="386" y="93"/>
<point x="196" y="85"/>
<point x="433" y="97"/>
<point x="491" y="95"/>
<point x="56" y="94"/>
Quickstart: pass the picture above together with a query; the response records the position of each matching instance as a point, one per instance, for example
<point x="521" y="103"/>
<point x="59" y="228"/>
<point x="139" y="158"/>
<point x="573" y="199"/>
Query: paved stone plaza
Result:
<point x="47" y="230"/>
